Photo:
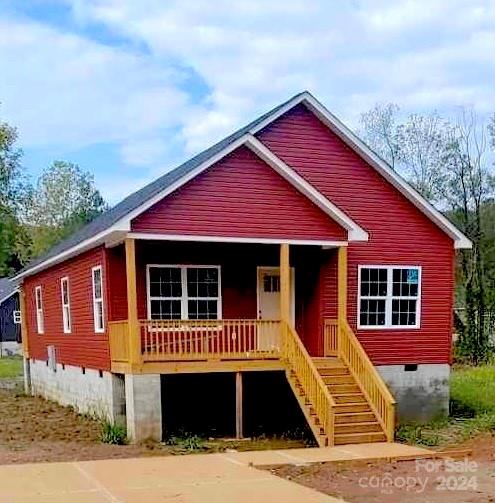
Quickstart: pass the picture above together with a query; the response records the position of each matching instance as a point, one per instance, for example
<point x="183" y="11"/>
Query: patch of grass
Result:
<point x="472" y="410"/>
<point x="473" y="390"/>
<point x="10" y="367"/>
<point x="113" y="434"/>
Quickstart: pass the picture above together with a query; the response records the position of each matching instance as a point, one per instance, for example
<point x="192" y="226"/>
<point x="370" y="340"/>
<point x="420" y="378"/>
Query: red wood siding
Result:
<point x="240" y="196"/>
<point x="399" y="234"/>
<point x="82" y="347"/>
<point x="117" y="283"/>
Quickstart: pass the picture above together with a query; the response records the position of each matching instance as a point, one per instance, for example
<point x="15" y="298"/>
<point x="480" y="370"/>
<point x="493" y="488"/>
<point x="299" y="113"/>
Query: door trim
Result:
<point x="292" y="288"/>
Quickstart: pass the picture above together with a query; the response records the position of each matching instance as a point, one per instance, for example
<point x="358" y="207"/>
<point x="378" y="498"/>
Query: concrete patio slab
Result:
<point x="194" y="478"/>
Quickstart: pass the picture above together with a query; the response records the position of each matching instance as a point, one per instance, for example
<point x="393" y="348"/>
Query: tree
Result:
<point x="379" y="131"/>
<point x="414" y="148"/>
<point x="422" y="141"/>
<point x="12" y="192"/>
<point x="64" y="199"/>
<point x="468" y="186"/>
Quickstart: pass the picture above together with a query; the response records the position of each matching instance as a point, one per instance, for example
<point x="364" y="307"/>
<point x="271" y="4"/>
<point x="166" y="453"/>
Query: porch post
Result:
<point x="342" y="283"/>
<point x="132" y="317"/>
<point x="284" y="283"/>
<point x="238" y="406"/>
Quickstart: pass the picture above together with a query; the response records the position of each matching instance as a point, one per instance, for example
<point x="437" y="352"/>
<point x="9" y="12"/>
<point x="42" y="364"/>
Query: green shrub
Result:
<point x="113" y="434"/>
<point x="188" y="442"/>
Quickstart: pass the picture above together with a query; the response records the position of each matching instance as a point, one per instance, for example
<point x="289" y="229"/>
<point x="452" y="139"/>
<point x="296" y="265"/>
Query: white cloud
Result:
<point x="249" y="55"/>
<point x="252" y="54"/>
<point x="63" y="89"/>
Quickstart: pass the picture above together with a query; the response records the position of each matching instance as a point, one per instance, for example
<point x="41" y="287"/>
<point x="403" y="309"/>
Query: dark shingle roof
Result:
<point x="7" y="287"/>
<point x="130" y="203"/>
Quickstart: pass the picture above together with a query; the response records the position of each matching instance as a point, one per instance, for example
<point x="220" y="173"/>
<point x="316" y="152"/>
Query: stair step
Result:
<point x="365" y="427"/>
<point x="354" y="398"/>
<point x="349" y="408"/>
<point x="333" y="371"/>
<point x="354" y="417"/>
<point x="359" y="438"/>
<point x="340" y="379"/>
<point x="327" y="361"/>
<point x="343" y="388"/>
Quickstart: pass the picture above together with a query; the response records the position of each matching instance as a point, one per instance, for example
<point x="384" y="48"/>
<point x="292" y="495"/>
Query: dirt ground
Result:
<point x="464" y="480"/>
<point x="33" y="429"/>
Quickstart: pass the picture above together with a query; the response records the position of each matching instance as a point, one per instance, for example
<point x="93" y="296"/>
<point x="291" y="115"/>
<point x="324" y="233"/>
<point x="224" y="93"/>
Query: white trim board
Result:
<point x="355" y="232"/>
<point x="389" y="297"/>
<point x="228" y="239"/>
<point x="343" y="132"/>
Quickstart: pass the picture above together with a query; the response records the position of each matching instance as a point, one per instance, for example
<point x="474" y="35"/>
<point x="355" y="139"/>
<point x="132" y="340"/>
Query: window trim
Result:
<point x="66" y="314"/>
<point x="98" y="330"/>
<point x="40" y="316"/>
<point x="389" y="297"/>
<point x="184" y="297"/>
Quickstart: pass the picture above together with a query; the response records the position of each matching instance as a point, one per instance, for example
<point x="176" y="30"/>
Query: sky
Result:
<point x="128" y="89"/>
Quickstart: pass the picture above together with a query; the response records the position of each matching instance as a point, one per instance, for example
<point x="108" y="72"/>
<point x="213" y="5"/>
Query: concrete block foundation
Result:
<point x="89" y="391"/>
<point x="143" y="407"/>
<point x="422" y="391"/>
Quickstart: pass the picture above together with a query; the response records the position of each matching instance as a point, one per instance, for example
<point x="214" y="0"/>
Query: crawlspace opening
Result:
<point x="205" y="405"/>
<point x="270" y="407"/>
<point x="198" y="404"/>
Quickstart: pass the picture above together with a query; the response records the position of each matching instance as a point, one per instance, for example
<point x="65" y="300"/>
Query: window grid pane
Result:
<point x="177" y="292"/>
<point x="373" y="282"/>
<point x="202" y="282"/>
<point x="389" y="296"/>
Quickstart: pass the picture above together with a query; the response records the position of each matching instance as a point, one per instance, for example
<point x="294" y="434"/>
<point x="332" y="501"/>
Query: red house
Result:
<point x="290" y="249"/>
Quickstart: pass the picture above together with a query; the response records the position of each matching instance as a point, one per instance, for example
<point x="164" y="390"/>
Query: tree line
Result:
<point x="450" y="162"/>
<point x="35" y="216"/>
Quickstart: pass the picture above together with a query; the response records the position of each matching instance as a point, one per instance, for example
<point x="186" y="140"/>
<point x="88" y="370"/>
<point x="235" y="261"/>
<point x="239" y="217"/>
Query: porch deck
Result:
<point x="171" y="346"/>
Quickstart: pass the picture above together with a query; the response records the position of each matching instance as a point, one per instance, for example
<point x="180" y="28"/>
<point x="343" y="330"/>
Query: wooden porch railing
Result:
<point x="178" y="340"/>
<point x="204" y="339"/>
<point x="301" y="363"/>
<point x="330" y="337"/>
<point x="118" y="333"/>
<point x="350" y="350"/>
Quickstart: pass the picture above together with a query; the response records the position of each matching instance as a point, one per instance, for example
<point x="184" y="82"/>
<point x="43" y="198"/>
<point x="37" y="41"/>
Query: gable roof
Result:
<point x="8" y="287"/>
<point x="117" y="219"/>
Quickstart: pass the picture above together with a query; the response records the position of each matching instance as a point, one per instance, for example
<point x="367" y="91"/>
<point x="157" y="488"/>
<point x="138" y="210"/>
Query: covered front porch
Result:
<point x="209" y="307"/>
<point x="194" y="307"/>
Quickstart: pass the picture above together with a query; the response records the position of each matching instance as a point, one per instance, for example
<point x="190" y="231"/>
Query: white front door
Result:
<point x="269" y="293"/>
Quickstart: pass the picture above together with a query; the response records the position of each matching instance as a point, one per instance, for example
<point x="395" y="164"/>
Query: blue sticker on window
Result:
<point x="412" y="276"/>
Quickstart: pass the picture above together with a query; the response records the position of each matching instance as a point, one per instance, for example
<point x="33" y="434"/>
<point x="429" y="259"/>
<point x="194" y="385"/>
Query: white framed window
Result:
<point x="40" y="322"/>
<point x="188" y="292"/>
<point x="16" y="316"/>
<point x="65" y="297"/>
<point x="389" y="296"/>
<point x="98" y="309"/>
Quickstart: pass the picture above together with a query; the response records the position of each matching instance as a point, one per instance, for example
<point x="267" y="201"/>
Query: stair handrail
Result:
<point x="301" y="363"/>
<point x="373" y="386"/>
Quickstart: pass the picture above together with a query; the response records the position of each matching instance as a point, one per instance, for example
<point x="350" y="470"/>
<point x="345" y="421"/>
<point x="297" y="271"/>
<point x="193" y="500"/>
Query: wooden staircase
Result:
<point x="355" y="421"/>
<point x="342" y="396"/>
